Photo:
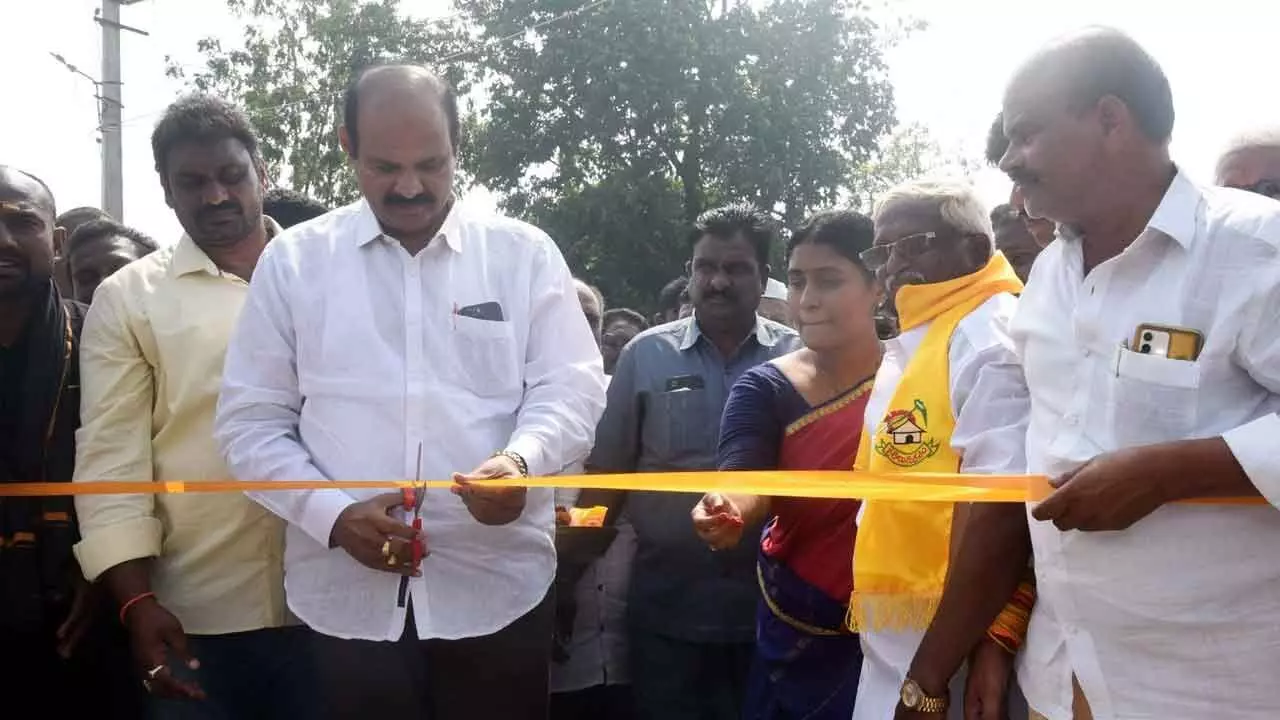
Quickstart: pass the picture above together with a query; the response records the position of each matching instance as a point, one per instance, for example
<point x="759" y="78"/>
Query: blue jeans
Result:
<point x="256" y="675"/>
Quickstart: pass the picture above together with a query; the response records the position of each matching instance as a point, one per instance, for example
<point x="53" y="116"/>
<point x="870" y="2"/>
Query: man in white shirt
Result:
<point x="401" y="322"/>
<point x="1148" y="337"/>
<point x="935" y="257"/>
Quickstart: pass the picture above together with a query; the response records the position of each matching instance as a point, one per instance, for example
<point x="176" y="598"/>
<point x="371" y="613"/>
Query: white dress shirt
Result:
<point x="350" y="352"/>
<point x="990" y="406"/>
<point x="1178" y="617"/>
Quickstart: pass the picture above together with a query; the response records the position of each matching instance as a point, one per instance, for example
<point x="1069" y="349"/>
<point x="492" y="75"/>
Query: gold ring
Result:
<point x="392" y="561"/>
<point x="386" y="549"/>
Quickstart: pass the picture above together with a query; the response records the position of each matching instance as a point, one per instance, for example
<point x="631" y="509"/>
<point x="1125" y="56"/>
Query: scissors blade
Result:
<point x="419" y="549"/>
<point x="420" y="487"/>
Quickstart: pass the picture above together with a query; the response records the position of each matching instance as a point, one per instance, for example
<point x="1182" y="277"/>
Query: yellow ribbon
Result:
<point x="829" y="484"/>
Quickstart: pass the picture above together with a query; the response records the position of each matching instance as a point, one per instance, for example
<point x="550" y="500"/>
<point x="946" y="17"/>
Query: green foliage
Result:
<point x="909" y="152"/>
<point x="610" y="123"/>
<point x="775" y="103"/>
<point x="296" y="59"/>
<point x="626" y="233"/>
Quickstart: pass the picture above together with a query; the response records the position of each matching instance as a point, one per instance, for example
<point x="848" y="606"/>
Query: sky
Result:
<point x="1220" y="59"/>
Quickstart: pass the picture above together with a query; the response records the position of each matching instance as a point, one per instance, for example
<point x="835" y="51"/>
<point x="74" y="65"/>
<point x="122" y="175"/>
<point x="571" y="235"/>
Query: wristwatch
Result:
<point x="914" y="698"/>
<point x="516" y="458"/>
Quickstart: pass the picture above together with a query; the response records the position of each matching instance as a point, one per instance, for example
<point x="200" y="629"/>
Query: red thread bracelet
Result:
<point x="133" y="601"/>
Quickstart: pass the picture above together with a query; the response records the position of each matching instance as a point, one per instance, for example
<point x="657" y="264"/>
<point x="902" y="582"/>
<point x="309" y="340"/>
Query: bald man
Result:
<point x="404" y="336"/>
<point x="1251" y="162"/>
<point x="1147" y="340"/>
<point x="54" y="632"/>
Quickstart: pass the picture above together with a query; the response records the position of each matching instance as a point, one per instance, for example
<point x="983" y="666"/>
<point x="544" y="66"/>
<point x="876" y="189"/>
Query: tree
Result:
<point x="297" y="58"/>
<point x="775" y="104"/>
<point x="625" y="233"/>
<point x="610" y="123"/>
<point x="909" y="152"/>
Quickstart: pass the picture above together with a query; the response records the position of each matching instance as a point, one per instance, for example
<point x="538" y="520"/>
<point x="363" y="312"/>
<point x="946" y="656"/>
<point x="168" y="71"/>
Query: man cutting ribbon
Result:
<point x="408" y="317"/>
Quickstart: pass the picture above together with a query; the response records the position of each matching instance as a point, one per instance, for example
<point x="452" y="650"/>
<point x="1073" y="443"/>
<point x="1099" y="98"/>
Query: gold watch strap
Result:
<point x="915" y="698"/>
<point x="932" y="705"/>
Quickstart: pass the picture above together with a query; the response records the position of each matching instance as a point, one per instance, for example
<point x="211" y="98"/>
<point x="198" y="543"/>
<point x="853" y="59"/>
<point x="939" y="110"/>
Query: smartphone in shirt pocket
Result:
<point x="1169" y="342"/>
<point x="679" y="418"/>
<point x="1155" y="389"/>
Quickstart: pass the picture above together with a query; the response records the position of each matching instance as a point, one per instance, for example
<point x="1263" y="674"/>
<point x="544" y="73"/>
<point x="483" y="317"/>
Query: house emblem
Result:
<point x="903" y="438"/>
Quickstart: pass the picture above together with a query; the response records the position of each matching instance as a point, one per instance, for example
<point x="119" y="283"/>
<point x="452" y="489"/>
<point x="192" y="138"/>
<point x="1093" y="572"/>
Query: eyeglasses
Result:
<point x="875" y="257"/>
<point x="1267" y="187"/>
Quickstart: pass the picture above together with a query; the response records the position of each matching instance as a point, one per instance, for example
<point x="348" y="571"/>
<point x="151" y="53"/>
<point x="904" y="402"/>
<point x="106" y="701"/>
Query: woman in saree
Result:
<point x="803" y="411"/>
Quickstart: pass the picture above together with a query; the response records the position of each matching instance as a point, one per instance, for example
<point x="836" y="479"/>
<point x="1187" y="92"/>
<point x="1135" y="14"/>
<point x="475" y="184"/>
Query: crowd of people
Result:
<point x="1112" y="327"/>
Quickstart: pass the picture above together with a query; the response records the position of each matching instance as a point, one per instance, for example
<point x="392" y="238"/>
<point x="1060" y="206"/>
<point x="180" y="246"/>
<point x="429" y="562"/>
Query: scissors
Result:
<point x="412" y="498"/>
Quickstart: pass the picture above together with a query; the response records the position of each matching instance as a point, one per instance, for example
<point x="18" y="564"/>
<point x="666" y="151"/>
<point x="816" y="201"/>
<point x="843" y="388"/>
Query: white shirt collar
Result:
<point x="368" y="229"/>
<point x="1174" y="217"/>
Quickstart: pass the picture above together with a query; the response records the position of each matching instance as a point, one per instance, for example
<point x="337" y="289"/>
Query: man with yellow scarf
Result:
<point x="933" y="409"/>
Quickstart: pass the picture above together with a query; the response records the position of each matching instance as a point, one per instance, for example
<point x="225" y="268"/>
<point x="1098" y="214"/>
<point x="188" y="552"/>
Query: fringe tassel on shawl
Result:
<point x="890" y="613"/>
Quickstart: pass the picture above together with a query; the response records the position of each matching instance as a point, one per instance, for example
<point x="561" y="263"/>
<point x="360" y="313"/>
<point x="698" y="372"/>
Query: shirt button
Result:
<point x="1071" y="419"/>
<point x="1086" y="352"/>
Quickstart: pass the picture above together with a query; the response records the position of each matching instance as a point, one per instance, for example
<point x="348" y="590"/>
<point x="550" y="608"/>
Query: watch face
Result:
<point x="910" y="695"/>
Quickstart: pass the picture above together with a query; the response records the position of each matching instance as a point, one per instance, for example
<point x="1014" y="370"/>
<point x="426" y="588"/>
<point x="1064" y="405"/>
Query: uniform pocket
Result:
<point x="679" y="423"/>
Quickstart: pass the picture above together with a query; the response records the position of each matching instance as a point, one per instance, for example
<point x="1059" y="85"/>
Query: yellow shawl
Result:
<point x="901" y="553"/>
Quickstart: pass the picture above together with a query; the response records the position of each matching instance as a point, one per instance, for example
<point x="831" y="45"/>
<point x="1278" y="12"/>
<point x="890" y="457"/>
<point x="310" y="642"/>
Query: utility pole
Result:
<point x="111" y="104"/>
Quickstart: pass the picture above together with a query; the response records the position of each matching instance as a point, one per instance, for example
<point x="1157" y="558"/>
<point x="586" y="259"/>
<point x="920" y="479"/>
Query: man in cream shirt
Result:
<point x="407" y="320"/>
<point x="198" y="577"/>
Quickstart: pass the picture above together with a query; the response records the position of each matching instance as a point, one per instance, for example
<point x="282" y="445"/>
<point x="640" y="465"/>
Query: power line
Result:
<point x="588" y="7"/>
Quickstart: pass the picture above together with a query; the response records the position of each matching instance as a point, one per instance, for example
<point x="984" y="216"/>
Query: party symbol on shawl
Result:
<point x="903" y="438"/>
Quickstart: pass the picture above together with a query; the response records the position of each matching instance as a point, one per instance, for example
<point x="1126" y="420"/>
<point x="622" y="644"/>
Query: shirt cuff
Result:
<point x="529" y="448"/>
<point x="106" y="547"/>
<point x="1253" y="444"/>
<point x="322" y="510"/>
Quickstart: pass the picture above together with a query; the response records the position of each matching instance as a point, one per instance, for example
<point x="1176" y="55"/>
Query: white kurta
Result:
<point x="1177" y="617"/>
<point x="991" y="410"/>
